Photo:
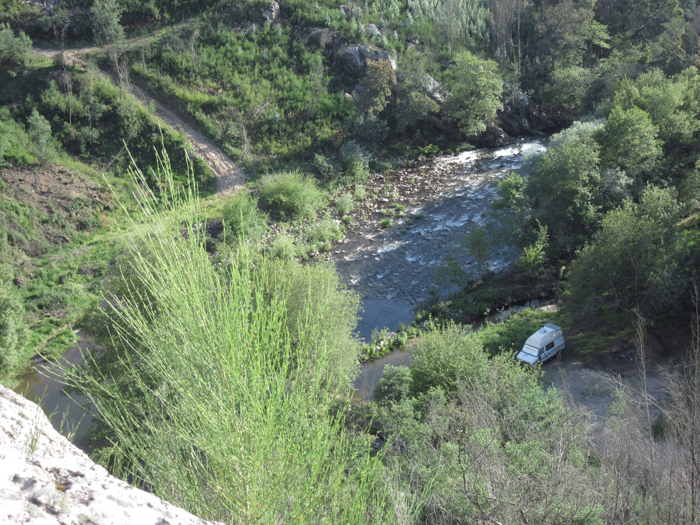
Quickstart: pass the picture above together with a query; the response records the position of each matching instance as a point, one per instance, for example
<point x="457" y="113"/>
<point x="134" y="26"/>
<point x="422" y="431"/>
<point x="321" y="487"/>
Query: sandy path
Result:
<point x="229" y="177"/>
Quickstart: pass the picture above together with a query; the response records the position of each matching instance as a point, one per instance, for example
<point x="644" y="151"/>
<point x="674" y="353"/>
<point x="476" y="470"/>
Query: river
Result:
<point x="393" y="268"/>
<point x="42" y="385"/>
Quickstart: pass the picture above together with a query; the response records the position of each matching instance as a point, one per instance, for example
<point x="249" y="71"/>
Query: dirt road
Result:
<point x="229" y="177"/>
<point x="591" y="380"/>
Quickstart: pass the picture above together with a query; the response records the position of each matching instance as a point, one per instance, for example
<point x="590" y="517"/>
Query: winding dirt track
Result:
<point x="229" y="177"/>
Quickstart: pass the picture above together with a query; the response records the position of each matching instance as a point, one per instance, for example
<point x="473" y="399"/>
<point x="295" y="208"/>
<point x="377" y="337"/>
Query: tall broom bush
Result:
<point x="233" y="412"/>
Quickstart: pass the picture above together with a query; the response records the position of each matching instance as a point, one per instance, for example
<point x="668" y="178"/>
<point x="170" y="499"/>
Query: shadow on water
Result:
<point x="42" y="385"/>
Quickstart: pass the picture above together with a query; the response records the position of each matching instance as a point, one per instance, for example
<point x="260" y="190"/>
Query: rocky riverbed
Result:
<point x="393" y="267"/>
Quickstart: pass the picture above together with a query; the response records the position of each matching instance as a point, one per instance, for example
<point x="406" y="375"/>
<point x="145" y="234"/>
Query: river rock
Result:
<point x="46" y="480"/>
<point x="272" y="13"/>
<point x="351" y="59"/>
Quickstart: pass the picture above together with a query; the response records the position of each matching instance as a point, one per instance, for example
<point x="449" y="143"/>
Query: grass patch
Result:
<point x="293" y="192"/>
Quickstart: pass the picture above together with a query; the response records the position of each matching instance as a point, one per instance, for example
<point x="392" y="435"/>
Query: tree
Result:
<point x="40" y="134"/>
<point x="14" y="50"/>
<point x="376" y="86"/>
<point x="108" y="31"/>
<point x="445" y="358"/>
<point x="566" y="32"/>
<point x="394" y="386"/>
<point x="414" y="101"/>
<point x="629" y="141"/>
<point x="565" y="92"/>
<point x="564" y="186"/>
<point x="476" y="93"/>
<point x="106" y="27"/>
<point x="631" y="263"/>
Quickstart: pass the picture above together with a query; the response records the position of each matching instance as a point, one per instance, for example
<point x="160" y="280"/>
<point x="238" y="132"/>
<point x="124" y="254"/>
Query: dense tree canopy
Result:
<point x="476" y="91"/>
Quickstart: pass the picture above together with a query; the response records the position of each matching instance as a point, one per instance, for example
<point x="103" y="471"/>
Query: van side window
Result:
<point x="549" y="346"/>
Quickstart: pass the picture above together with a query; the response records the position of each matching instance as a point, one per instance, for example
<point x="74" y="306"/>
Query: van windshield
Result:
<point x="531" y="350"/>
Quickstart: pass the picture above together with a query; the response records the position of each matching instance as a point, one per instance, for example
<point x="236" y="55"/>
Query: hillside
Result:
<point x="210" y="192"/>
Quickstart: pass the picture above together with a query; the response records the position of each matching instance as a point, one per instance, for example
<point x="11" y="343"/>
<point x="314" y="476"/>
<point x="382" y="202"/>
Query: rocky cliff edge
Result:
<point x="44" y="479"/>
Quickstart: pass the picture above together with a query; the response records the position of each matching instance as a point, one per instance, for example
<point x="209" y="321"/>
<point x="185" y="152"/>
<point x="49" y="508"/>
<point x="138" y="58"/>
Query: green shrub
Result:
<point x="325" y="168"/>
<point x="293" y="192"/>
<point x="354" y="160"/>
<point x="394" y="386"/>
<point x="14" y="50"/>
<point x="283" y="248"/>
<point x="234" y="387"/>
<point x="40" y="135"/>
<point x="243" y="218"/>
<point x="367" y="129"/>
<point x="386" y="223"/>
<point x="345" y="203"/>
<point x="13" y="331"/>
<point x="324" y="231"/>
<point x="444" y="358"/>
<point x="360" y="192"/>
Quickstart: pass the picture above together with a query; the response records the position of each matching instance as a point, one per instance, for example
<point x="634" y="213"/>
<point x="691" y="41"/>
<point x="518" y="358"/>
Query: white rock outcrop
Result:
<point x="45" y="480"/>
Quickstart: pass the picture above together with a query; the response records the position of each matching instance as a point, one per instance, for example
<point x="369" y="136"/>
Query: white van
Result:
<point x="543" y="344"/>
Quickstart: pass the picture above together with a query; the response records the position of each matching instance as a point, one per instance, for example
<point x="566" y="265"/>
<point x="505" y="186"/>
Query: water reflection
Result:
<point x="42" y="385"/>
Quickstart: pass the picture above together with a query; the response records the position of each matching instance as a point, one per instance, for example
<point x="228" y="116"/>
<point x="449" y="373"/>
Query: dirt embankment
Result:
<point x="229" y="177"/>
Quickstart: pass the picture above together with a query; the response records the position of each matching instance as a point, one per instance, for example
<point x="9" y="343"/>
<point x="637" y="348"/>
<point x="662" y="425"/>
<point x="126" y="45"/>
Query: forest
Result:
<point x="226" y="336"/>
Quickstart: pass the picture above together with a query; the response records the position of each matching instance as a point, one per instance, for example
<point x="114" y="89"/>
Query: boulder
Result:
<point x="435" y="90"/>
<point x="520" y="115"/>
<point x="351" y="59"/>
<point x="46" y="480"/>
<point x="323" y="37"/>
<point x="272" y="13"/>
<point x="493" y="136"/>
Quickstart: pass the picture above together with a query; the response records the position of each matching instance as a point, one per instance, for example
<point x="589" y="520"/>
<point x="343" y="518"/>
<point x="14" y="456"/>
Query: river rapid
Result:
<point x="391" y="268"/>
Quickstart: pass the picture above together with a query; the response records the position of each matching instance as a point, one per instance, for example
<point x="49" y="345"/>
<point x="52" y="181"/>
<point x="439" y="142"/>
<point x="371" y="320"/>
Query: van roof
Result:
<point x="544" y="334"/>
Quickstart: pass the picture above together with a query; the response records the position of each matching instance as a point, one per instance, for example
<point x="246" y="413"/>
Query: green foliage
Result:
<point x="564" y="188"/>
<point x="13" y="330"/>
<point x="446" y="357"/>
<point x="412" y="107"/>
<point x="565" y="93"/>
<point x="293" y="192"/>
<point x="282" y="247"/>
<point x="632" y="263"/>
<point x="354" y="160"/>
<point x="476" y="92"/>
<point x="320" y="312"/>
<point x="325" y="168"/>
<point x="229" y="374"/>
<point x="366" y="128"/>
<point x="105" y="20"/>
<point x="345" y="203"/>
<point x="243" y="217"/>
<point x="394" y="386"/>
<point x="629" y="141"/>
<point x="15" y="147"/>
<point x="40" y="135"/>
<point x="534" y="257"/>
<point x="324" y="232"/>
<point x="376" y="86"/>
<point x="14" y="50"/>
